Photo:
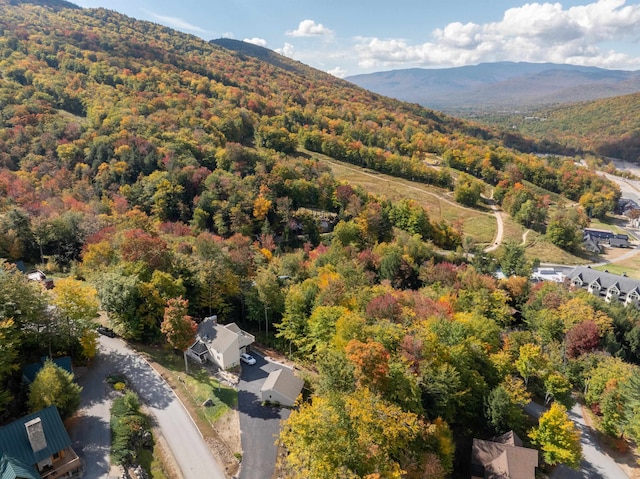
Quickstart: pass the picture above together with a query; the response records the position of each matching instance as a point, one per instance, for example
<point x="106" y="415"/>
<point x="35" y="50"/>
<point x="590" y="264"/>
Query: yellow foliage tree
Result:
<point x="356" y="435"/>
<point x="577" y="310"/>
<point x="558" y="437"/>
<point x="261" y="207"/>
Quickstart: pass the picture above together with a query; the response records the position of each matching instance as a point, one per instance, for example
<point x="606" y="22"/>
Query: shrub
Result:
<point x="129" y="429"/>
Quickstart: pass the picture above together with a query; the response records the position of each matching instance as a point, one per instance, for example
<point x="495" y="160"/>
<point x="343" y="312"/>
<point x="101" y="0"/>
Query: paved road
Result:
<point x="596" y="464"/>
<point x="191" y="452"/>
<point x="260" y="425"/>
<point x="89" y="429"/>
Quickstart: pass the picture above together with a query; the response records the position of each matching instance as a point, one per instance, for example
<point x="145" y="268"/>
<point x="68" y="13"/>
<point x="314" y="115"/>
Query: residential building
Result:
<point x="37" y="446"/>
<point x="282" y="387"/>
<point x="611" y="287"/>
<point x="220" y="344"/>
<point x="548" y="274"/>
<point x="503" y="457"/>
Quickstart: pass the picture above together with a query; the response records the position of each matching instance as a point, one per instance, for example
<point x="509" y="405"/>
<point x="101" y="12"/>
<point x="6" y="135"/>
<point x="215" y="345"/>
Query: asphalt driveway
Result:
<point x="260" y="425"/>
<point x="89" y="428"/>
<point x="595" y="464"/>
<point x="90" y="431"/>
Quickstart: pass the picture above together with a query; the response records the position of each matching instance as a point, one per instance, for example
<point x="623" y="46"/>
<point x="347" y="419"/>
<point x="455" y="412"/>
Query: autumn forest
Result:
<point x="146" y="169"/>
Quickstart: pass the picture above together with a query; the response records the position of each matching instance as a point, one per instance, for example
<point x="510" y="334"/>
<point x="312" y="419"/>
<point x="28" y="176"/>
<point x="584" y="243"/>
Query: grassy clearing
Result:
<point x="478" y="223"/>
<point x="512" y="231"/>
<point x="538" y="247"/>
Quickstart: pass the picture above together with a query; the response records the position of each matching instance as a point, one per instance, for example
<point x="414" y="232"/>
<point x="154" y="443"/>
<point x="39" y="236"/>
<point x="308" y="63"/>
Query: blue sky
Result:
<point x="345" y="37"/>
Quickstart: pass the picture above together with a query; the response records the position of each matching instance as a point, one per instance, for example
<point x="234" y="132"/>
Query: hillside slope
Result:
<point x="98" y="106"/>
<point x="609" y="127"/>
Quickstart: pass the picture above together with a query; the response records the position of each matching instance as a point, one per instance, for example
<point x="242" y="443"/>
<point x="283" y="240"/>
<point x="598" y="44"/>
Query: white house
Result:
<point x="282" y="386"/>
<point x="611" y="287"/>
<point x="220" y="344"/>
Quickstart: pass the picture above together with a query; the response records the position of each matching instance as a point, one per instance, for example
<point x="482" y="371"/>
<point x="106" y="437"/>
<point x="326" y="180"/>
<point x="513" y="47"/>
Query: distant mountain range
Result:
<point x="490" y="86"/>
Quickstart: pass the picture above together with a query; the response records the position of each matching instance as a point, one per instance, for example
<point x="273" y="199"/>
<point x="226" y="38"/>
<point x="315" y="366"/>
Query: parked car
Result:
<point x="106" y="331"/>
<point x="247" y="358"/>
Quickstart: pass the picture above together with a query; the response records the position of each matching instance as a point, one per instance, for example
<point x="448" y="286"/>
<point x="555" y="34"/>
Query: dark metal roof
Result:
<point x="30" y="371"/>
<point x="199" y="347"/>
<point x="14" y="441"/>
<point x="12" y="468"/>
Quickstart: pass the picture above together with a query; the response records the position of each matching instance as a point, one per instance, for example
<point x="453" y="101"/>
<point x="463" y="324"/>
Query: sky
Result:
<point x="349" y="37"/>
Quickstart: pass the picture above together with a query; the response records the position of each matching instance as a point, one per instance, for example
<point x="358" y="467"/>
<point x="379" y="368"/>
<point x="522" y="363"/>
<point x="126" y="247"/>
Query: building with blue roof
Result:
<point x="37" y="446"/>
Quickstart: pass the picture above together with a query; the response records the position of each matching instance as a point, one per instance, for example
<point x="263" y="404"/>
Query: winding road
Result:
<point x="500" y="230"/>
<point x="90" y="431"/>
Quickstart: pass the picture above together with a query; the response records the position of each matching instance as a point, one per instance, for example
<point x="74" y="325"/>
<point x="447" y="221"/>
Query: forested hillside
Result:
<point x="152" y="172"/>
<point x="608" y="127"/>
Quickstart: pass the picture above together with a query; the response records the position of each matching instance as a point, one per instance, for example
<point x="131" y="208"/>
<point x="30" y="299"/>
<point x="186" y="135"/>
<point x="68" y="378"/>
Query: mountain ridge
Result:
<point x="500" y="85"/>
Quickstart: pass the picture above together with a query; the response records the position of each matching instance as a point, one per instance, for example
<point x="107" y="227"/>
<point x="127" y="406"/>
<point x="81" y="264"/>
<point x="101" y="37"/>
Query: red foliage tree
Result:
<point x="138" y="245"/>
<point x="385" y="306"/>
<point x="582" y="338"/>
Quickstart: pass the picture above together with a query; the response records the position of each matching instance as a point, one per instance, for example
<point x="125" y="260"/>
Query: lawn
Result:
<point x="479" y="223"/>
<point x="198" y="385"/>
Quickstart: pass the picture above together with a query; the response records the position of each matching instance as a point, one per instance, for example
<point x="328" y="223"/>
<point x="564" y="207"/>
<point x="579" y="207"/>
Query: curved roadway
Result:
<point x="90" y="430"/>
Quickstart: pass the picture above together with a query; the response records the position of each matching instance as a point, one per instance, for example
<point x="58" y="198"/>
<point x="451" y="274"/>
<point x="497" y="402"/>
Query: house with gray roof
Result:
<point x="221" y="344"/>
<point x="282" y="387"/>
<point x="592" y="244"/>
<point x="37" y="446"/>
<point x="620" y="241"/>
<point x="503" y="457"/>
<point x="610" y="287"/>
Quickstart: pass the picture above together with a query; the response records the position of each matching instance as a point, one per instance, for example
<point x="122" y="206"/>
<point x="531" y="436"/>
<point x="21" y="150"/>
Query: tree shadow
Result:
<point x="143" y="379"/>
<point x="95" y="453"/>
<point x="586" y="471"/>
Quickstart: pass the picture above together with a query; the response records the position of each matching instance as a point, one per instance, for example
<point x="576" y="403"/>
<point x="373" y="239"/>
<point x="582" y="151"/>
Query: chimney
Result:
<point x="36" y="434"/>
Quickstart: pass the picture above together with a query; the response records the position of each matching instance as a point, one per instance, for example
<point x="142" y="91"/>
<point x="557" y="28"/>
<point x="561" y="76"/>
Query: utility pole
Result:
<point x="266" y="320"/>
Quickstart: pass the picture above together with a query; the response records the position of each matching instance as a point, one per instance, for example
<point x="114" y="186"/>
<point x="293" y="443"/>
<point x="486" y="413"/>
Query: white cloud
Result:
<point x="534" y="32"/>
<point x="177" y="23"/>
<point x="287" y="50"/>
<point x="227" y="35"/>
<point x="261" y="42"/>
<point x="338" y="72"/>
<point x="309" y="28"/>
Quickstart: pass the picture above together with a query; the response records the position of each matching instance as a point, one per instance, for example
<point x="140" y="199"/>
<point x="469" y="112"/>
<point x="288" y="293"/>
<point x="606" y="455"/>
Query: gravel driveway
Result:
<point x="260" y="425"/>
